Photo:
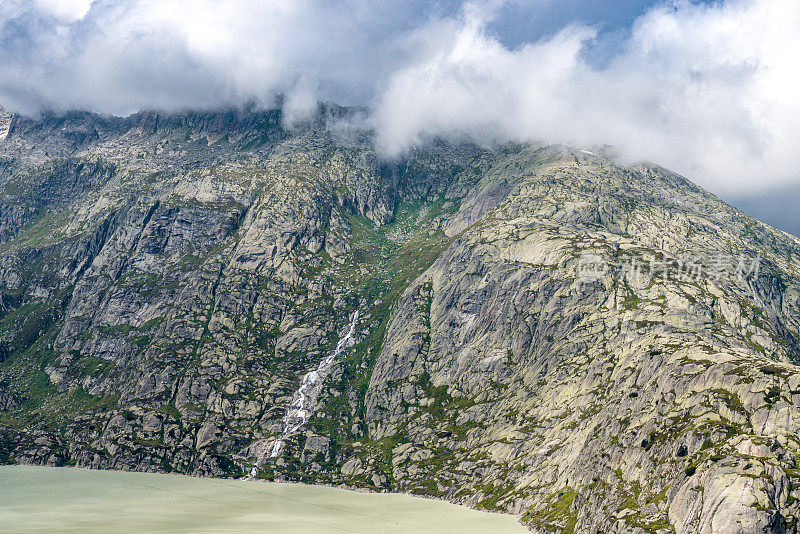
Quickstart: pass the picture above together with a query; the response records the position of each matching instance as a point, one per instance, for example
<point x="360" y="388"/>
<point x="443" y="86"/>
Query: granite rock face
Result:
<point x="541" y="331"/>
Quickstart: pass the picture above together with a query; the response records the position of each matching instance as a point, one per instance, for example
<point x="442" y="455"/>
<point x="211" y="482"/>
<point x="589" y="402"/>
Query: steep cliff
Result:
<point x="541" y="330"/>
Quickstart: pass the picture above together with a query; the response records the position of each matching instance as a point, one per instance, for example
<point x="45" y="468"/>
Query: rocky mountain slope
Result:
<point x="541" y="330"/>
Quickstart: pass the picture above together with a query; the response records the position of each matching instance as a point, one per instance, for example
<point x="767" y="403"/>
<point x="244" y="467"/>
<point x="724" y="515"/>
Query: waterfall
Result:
<point x="304" y="399"/>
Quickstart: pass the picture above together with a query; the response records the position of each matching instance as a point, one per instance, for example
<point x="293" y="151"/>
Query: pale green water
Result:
<point x="51" y="499"/>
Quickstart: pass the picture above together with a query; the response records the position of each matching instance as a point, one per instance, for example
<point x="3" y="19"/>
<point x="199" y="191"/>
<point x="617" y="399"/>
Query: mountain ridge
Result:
<point x="164" y="289"/>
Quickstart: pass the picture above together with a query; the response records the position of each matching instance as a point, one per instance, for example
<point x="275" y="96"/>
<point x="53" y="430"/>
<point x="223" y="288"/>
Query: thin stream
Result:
<point x="298" y="412"/>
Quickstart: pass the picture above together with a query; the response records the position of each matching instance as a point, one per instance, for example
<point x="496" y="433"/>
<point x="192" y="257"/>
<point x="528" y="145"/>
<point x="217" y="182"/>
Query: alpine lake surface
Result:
<point x="62" y="499"/>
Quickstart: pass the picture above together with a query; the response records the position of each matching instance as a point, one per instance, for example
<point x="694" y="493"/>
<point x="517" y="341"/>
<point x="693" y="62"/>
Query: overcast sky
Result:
<point x="707" y="89"/>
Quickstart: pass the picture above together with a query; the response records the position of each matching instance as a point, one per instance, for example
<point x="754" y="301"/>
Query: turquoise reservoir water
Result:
<point x="56" y="499"/>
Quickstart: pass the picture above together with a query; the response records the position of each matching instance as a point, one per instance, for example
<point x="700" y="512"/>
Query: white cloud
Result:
<point x="65" y="10"/>
<point x="124" y="55"/>
<point x="710" y="91"/>
<point x="707" y="90"/>
<point x="300" y="102"/>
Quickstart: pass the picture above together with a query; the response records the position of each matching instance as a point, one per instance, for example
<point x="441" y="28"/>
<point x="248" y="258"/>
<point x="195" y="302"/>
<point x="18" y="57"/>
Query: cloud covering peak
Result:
<point x="708" y="90"/>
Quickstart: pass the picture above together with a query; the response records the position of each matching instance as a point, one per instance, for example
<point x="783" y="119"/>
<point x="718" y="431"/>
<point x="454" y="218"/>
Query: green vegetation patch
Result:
<point x="556" y="514"/>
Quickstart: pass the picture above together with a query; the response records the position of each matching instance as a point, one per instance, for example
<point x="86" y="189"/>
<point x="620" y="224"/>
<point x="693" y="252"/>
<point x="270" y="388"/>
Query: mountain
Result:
<point x="540" y="330"/>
